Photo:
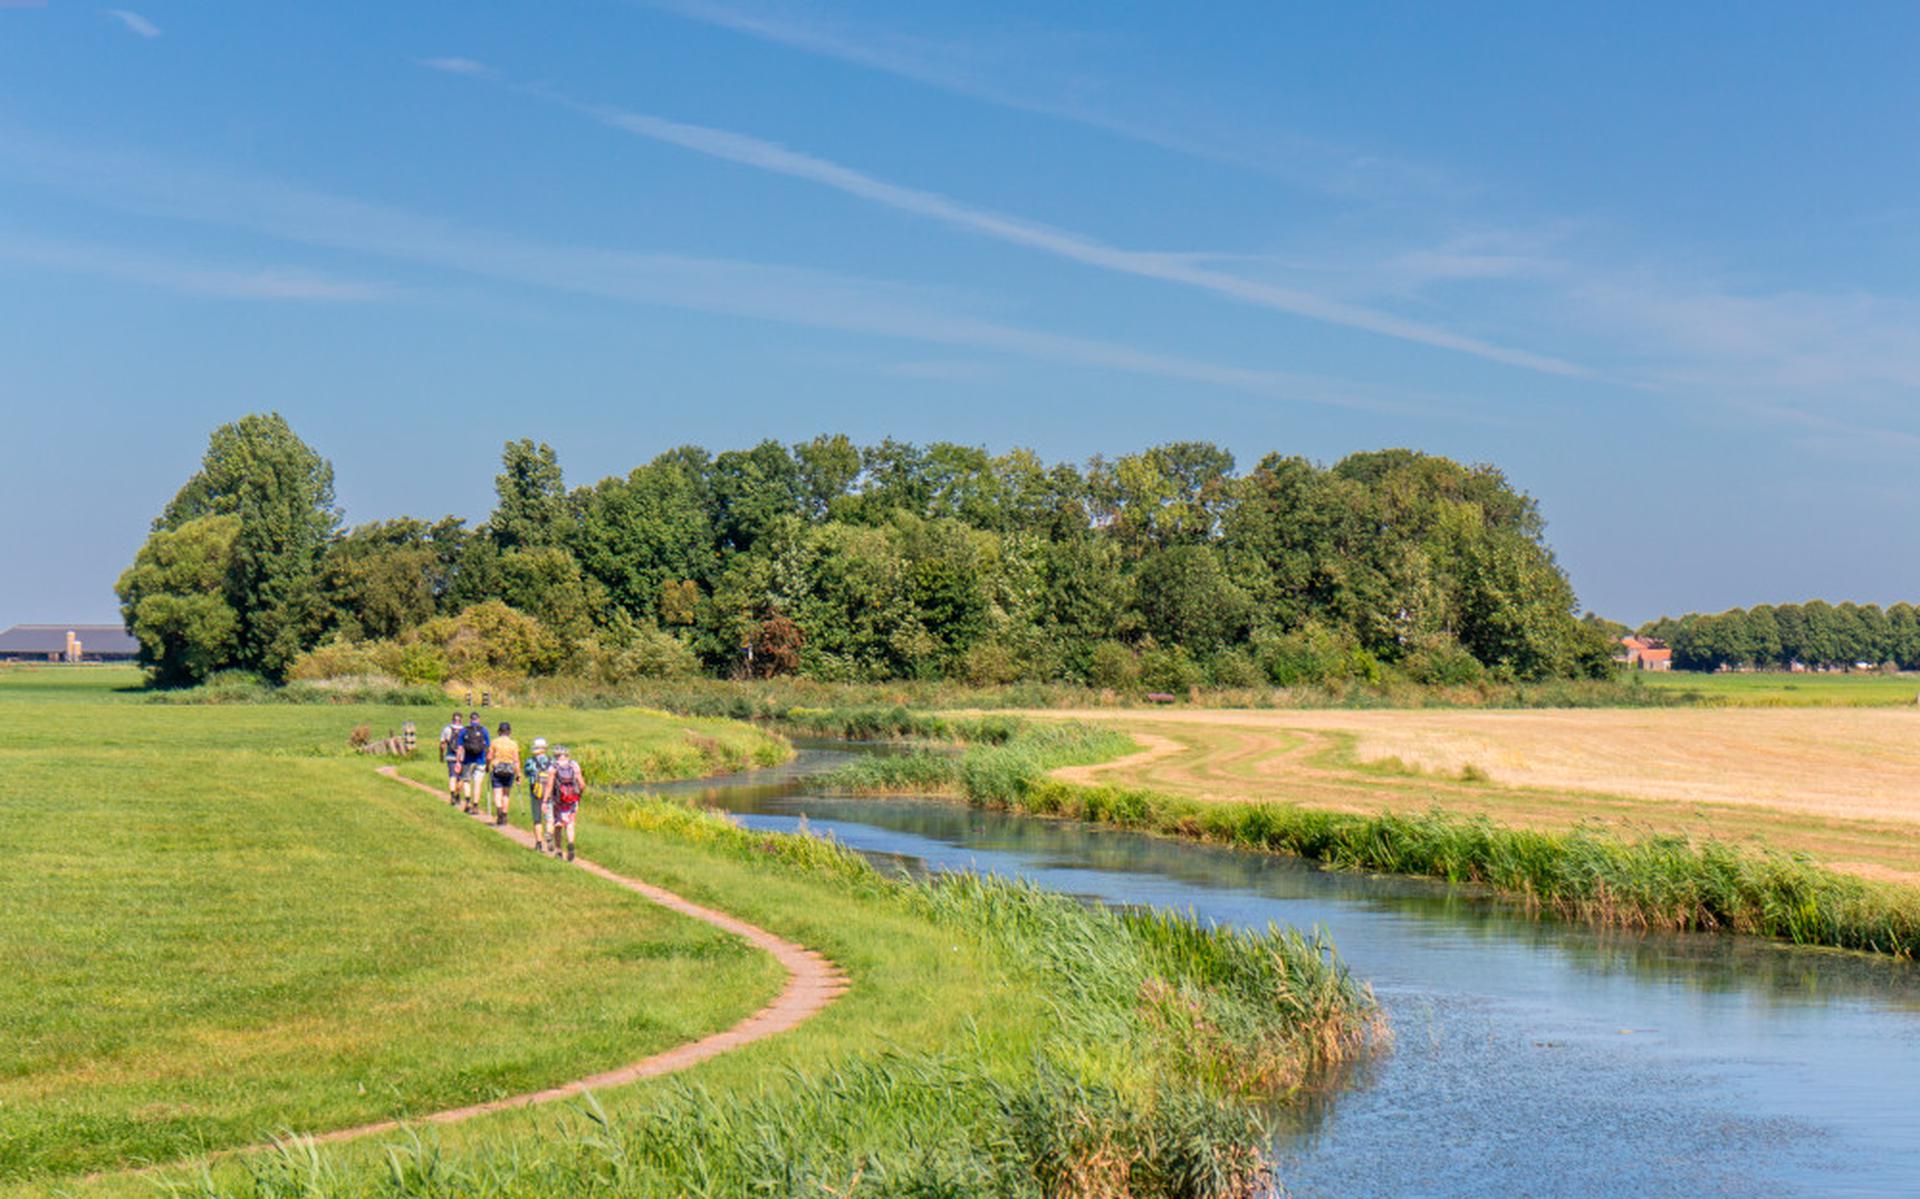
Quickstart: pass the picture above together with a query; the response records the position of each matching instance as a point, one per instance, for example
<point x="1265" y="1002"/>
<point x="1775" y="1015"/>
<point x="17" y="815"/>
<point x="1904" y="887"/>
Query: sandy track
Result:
<point x="1834" y="763"/>
<point x="813" y="982"/>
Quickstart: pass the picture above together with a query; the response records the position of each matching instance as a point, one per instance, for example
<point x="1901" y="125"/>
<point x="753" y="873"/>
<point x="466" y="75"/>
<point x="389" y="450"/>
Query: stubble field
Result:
<point x="1839" y="783"/>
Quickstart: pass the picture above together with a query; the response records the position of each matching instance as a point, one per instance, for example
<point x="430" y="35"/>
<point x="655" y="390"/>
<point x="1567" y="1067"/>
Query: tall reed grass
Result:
<point x="693" y="756"/>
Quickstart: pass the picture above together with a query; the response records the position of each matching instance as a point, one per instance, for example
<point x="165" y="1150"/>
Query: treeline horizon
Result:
<point x="867" y="563"/>
<point x="1814" y="634"/>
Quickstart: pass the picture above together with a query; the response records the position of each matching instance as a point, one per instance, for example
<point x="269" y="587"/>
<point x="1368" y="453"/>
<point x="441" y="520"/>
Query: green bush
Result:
<point x="644" y="652"/>
<point x="340" y="660"/>
<point x="1169" y="668"/>
<point x="421" y="663"/>
<point x="989" y="664"/>
<point x="1443" y="664"/>
<point x="1113" y="665"/>
<point x="1234" y="668"/>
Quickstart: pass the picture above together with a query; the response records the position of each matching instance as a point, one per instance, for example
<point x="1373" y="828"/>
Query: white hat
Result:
<point x="539" y="742"/>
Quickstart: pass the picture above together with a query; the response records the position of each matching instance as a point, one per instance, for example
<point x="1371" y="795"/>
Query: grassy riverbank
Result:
<point x="258" y="934"/>
<point x="998" y="1040"/>
<point x="1667" y="882"/>
<point x="225" y="926"/>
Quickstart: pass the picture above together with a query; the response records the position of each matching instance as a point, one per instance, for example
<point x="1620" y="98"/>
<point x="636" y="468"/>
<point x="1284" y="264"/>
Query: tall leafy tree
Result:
<point x="532" y="508"/>
<point x="258" y="469"/>
<point x="174" y="600"/>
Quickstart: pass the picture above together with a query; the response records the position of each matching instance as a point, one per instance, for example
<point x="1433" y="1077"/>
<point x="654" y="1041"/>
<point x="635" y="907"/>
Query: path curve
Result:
<point x="813" y="982"/>
<point x="1156" y="748"/>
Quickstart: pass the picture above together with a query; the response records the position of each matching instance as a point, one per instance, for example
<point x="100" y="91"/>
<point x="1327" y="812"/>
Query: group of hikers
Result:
<point x="483" y="767"/>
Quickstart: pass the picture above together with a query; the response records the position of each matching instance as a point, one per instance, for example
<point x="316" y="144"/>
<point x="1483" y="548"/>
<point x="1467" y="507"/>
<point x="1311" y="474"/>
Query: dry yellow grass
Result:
<point x="1841" y="784"/>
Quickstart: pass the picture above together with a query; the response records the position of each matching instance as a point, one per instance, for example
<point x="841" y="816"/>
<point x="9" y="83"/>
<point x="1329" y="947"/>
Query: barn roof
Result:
<point x="52" y="639"/>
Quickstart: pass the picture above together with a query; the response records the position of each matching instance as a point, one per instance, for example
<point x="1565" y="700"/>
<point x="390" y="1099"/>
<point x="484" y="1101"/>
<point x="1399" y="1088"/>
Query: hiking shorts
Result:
<point x="564" y="812"/>
<point x="503" y="778"/>
<point x="453" y="767"/>
<point x="471" y="769"/>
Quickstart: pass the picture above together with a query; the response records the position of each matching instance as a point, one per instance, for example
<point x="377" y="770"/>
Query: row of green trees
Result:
<point x="879" y="562"/>
<point x="1815" y="634"/>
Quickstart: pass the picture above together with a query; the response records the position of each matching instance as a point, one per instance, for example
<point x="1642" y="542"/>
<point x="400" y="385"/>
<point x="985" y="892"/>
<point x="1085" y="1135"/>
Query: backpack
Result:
<point x="566" y="780"/>
<point x="473" y="739"/>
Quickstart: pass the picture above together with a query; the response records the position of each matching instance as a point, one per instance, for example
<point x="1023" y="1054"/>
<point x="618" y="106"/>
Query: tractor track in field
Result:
<point x="813" y="982"/>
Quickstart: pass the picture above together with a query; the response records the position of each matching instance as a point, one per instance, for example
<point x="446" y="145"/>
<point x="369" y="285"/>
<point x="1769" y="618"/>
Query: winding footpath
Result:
<point x="813" y="982"/>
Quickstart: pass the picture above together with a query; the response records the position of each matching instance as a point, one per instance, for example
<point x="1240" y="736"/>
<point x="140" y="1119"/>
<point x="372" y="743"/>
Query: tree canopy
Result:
<point x="279" y="495"/>
<point x="897" y="560"/>
<point x="1815" y="634"/>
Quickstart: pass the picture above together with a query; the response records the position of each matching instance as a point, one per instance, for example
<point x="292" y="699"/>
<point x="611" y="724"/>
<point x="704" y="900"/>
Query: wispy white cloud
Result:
<point x="457" y="66"/>
<point x="789" y="295"/>
<point x="1757" y="350"/>
<point x="189" y="276"/>
<point x="134" y="22"/>
<point x="1170" y="268"/>
<point x="1036" y="72"/>
<point x="1833" y="368"/>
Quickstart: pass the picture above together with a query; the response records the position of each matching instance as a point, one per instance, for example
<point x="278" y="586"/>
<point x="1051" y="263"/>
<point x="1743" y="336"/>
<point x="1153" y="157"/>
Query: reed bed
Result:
<point x="694" y="755"/>
<point x="1663" y="882"/>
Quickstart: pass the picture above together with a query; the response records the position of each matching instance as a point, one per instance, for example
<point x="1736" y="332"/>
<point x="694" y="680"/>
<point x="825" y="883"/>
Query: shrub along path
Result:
<point x="813" y="982"/>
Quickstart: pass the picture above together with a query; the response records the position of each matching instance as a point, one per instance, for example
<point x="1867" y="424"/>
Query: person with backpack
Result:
<point x="473" y="758"/>
<point x="567" y="786"/>
<point x="450" y="753"/>
<point x="503" y="763"/>
<point x="539" y="772"/>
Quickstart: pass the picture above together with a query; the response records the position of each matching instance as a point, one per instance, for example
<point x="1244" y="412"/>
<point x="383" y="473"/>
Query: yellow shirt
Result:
<point x="504" y="750"/>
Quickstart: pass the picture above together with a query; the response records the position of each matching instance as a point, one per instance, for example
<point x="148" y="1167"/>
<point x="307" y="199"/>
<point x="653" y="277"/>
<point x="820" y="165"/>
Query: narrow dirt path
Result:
<point x="813" y="982"/>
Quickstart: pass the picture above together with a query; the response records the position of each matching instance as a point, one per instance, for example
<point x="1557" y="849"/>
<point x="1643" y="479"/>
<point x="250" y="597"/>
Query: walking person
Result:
<point x="567" y="786"/>
<point x="450" y="752"/>
<point x="503" y="764"/>
<point x="473" y="759"/>
<point x="539" y="773"/>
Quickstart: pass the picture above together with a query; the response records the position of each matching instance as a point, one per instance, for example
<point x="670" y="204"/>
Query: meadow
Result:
<point x="249" y="933"/>
<point x="226" y="927"/>
<point x="1780" y="689"/>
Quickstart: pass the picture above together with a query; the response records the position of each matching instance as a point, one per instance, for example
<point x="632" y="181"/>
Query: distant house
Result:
<point x="1644" y="653"/>
<point x="67" y="643"/>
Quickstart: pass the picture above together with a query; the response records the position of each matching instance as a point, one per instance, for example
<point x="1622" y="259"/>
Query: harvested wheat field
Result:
<point x="1841" y="784"/>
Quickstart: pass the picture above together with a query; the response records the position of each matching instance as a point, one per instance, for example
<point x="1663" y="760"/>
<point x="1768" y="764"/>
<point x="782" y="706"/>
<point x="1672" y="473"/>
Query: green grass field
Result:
<point x="223" y="925"/>
<point x="1775" y="689"/>
<point x="244" y="930"/>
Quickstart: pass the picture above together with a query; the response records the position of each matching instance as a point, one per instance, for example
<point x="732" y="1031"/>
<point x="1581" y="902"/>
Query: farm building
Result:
<point x="67" y="643"/>
<point x="1645" y="653"/>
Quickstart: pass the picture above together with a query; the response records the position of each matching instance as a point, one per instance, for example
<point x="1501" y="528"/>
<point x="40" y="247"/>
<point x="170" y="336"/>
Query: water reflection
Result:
<point x="1530" y="1057"/>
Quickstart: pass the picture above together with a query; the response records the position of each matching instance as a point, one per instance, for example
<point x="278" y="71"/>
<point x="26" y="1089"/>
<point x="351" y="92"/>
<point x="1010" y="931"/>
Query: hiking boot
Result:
<point x="569" y="853"/>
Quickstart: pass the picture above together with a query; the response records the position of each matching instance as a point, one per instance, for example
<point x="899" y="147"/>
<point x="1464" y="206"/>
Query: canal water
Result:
<point x="1529" y="1057"/>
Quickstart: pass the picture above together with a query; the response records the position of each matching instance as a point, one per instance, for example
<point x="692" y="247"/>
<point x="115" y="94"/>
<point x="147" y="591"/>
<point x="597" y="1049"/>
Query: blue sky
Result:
<point x="1658" y="261"/>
